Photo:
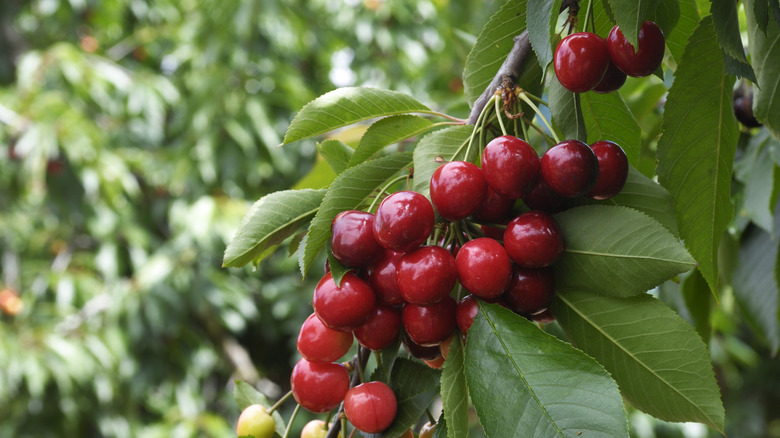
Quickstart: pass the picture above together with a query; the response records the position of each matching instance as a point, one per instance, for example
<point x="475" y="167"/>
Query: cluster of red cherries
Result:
<point x="403" y="275"/>
<point x="584" y="61"/>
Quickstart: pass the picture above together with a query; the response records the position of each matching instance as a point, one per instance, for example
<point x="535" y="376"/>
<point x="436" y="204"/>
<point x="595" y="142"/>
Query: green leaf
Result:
<point x="350" y="190"/>
<point x="761" y="13"/>
<point x="387" y="131"/>
<point x="660" y="363"/>
<point x="696" y="294"/>
<point x="666" y="15"/>
<point x="454" y="392"/>
<point x="491" y="48"/>
<point x="602" y="18"/>
<point x="755" y="285"/>
<point x="643" y="194"/>
<point x="677" y="38"/>
<point x="336" y="153"/>
<point x="607" y="117"/>
<point x="415" y="386"/>
<point x="438" y="147"/>
<point x="757" y="170"/>
<point x="617" y="251"/>
<point x="542" y="18"/>
<point x="345" y="106"/>
<point x="765" y="56"/>
<point x="268" y="222"/>
<point x="630" y="14"/>
<point x="320" y="176"/>
<point x="527" y="383"/>
<point x="697" y="147"/>
<point x="726" y="21"/>
<point x="566" y="112"/>
<point x="245" y="395"/>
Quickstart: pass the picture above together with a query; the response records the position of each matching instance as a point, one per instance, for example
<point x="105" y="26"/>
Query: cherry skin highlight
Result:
<point x="318" y="343"/>
<point x="343" y="308"/>
<point x="370" y="407"/>
<point x="352" y="240"/>
<point x="426" y="275"/>
<point x="484" y="268"/>
<point x="533" y="240"/>
<point x="457" y="189"/>
<point x="580" y="61"/>
<point x="646" y="59"/>
<point x="403" y="221"/>
<point x="570" y="168"/>
<point x="510" y="166"/>
<point x="319" y="387"/>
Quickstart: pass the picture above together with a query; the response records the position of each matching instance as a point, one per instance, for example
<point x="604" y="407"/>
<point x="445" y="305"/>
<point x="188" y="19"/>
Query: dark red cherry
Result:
<point x="383" y="279"/>
<point x="381" y="330"/>
<point x="418" y="351"/>
<point x="484" y="268"/>
<point x="570" y="168"/>
<point x="370" y="407"/>
<point x="352" y="240"/>
<point x="543" y="198"/>
<point x="403" y="221"/>
<point x="429" y="325"/>
<point x="510" y="166"/>
<point x="580" y="61"/>
<point x="613" y="79"/>
<point x="642" y="62"/>
<point x="343" y="308"/>
<point x="495" y="208"/>
<point x="531" y="290"/>
<point x="544" y="317"/>
<point x="613" y="170"/>
<point x="319" y="387"/>
<point x="426" y="275"/>
<point x="318" y="343"/>
<point x="457" y="189"/>
<point x="467" y="309"/>
<point x="533" y="240"/>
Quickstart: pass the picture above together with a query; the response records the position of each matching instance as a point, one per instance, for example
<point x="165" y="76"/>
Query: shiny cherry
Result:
<point x="510" y="166"/>
<point x="429" y="325"/>
<point x="613" y="79"/>
<point x="318" y="343"/>
<point x="533" y="240"/>
<point x="580" y="61"/>
<point x="352" y="240"/>
<point x="484" y="267"/>
<point x="383" y="279"/>
<point x="543" y="198"/>
<point x="646" y="59"/>
<point x="343" y="308"/>
<point x="319" y="387"/>
<point x="426" y="275"/>
<point x="570" y="168"/>
<point x="403" y="221"/>
<point x="457" y="189"/>
<point x="613" y="170"/>
<point x="467" y="309"/>
<point x="371" y="406"/>
<point x="495" y="208"/>
<point x="418" y="351"/>
<point x="531" y="290"/>
<point x="381" y="330"/>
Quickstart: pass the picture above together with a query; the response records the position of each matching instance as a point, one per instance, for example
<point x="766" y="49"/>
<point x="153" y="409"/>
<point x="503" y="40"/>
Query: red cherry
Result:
<point x="613" y="170"/>
<point x="319" y="387"/>
<point x="533" y="240"/>
<point x="484" y="268"/>
<point x="426" y="275"/>
<point x="543" y="198"/>
<point x="403" y="221"/>
<point x="457" y="189"/>
<point x="343" y="308"/>
<point x="383" y="279"/>
<point x="531" y="290"/>
<point x="318" y="343"/>
<point x="580" y="61"/>
<point x="613" y="79"/>
<point x="352" y="241"/>
<point x="467" y="309"/>
<point x="429" y="325"/>
<point x="642" y="62"/>
<point x="510" y="166"/>
<point x="370" y="407"/>
<point x="570" y="168"/>
<point x="495" y="208"/>
<point x="381" y="330"/>
<point x="418" y="351"/>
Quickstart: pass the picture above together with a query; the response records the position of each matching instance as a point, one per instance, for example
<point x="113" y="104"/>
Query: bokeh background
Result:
<point x="134" y="135"/>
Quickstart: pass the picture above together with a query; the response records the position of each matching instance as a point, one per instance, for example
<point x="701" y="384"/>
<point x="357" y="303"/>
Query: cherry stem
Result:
<point x="430" y="416"/>
<point x="279" y="402"/>
<point x="522" y="95"/>
<point x="290" y="422"/>
<point x="549" y="139"/>
<point x="589" y="17"/>
<point x="479" y="124"/>
<point x="498" y="116"/>
<point x="446" y="116"/>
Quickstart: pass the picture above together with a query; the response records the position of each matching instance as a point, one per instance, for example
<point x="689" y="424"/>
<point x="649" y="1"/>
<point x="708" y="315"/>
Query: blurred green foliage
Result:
<point x="135" y="134"/>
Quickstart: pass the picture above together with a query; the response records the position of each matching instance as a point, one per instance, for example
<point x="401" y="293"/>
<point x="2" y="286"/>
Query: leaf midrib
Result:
<point x="636" y="360"/>
<point x="625" y="256"/>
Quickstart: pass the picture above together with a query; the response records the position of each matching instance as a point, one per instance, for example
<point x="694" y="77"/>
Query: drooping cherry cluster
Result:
<point x="584" y="61"/>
